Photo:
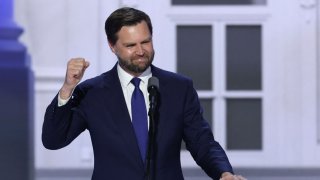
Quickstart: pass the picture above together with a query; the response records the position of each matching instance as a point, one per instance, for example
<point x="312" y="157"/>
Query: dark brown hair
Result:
<point x="124" y="17"/>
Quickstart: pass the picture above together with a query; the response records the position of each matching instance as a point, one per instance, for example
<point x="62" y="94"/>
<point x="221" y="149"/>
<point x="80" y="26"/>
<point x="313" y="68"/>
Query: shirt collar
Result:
<point x="125" y="77"/>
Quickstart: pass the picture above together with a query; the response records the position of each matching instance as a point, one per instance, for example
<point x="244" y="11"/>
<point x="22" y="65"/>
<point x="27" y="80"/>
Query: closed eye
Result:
<point x="145" y="42"/>
<point x="130" y="45"/>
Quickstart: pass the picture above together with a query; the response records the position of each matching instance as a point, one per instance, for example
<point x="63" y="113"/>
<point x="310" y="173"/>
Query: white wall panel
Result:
<point x="54" y="33"/>
<point x="45" y="35"/>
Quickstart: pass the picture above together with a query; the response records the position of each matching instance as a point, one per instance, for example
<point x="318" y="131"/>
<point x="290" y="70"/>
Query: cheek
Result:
<point x="125" y="53"/>
<point x="149" y="49"/>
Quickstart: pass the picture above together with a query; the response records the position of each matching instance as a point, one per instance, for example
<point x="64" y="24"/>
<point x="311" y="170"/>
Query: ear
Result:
<point x="112" y="47"/>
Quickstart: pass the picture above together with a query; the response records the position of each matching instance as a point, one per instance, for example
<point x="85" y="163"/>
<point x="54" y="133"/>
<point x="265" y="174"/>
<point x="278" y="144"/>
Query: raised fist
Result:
<point x="75" y="70"/>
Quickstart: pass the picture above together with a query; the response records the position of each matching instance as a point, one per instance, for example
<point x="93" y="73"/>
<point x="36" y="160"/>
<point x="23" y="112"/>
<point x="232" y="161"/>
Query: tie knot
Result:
<point x="136" y="82"/>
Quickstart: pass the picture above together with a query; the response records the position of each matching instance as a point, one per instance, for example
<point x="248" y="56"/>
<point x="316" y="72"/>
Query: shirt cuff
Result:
<point x="61" y="101"/>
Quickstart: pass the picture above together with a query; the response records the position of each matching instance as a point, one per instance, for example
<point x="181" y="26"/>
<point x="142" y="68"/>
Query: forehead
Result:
<point x="134" y="32"/>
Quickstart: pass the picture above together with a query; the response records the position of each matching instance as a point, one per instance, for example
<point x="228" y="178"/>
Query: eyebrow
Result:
<point x="134" y="43"/>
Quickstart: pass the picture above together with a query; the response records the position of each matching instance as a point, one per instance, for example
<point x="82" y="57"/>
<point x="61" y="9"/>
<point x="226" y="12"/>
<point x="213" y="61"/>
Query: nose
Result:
<point x="139" y="50"/>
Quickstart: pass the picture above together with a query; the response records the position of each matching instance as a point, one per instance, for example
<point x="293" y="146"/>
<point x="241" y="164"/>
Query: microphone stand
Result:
<point x="150" y="144"/>
<point x="151" y="135"/>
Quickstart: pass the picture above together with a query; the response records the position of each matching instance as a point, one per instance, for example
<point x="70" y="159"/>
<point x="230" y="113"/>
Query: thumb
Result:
<point x="87" y="64"/>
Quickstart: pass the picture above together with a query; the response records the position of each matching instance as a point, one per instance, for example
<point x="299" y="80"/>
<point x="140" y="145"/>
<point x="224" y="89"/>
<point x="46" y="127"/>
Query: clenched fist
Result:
<point x="75" y="70"/>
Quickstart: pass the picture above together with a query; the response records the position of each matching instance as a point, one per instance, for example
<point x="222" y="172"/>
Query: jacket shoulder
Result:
<point x="95" y="83"/>
<point x="171" y="77"/>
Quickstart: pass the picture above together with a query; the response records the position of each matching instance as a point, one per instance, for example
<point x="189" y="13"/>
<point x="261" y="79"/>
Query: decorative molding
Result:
<point x="49" y="73"/>
<point x="130" y="3"/>
<point x="48" y="79"/>
<point x="47" y="87"/>
<point x="308" y="4"/>
<point x="208" y="18"/>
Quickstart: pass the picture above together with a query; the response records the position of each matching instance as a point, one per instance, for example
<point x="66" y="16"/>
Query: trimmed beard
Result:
<point x="135" y="68"/>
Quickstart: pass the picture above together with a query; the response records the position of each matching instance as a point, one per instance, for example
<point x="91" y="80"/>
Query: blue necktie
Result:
<point x="139" y="118"/>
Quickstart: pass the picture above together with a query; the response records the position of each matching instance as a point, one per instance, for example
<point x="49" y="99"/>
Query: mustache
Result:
<point x="143" y="56"/>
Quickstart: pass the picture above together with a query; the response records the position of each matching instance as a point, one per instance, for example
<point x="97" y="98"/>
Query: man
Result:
<point x="107" y="107"/>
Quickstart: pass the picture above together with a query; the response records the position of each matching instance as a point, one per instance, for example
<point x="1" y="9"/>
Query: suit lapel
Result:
<point x="116" y="104"/>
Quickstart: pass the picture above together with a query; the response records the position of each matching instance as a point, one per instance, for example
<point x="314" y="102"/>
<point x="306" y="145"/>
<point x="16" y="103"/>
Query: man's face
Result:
<point x="134" y="48"/>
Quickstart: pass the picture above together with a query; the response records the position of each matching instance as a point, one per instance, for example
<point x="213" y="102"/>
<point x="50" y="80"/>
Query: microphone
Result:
<point x="153" y="87"/>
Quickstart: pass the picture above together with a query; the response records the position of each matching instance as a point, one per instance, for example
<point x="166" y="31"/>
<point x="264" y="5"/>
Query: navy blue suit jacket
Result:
<point x="98" y="105"/>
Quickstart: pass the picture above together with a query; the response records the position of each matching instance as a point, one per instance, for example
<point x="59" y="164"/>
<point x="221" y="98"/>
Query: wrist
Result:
<point x="66" y="91"/>
<point x="225" y="174"/>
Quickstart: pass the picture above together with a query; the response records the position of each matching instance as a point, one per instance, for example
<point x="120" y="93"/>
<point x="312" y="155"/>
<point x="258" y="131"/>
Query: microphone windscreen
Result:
<point x="153" y="81"/>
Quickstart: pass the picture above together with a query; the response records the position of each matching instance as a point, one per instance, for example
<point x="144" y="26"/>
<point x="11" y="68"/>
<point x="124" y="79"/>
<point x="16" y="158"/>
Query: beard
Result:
<point x="136" y="68"/>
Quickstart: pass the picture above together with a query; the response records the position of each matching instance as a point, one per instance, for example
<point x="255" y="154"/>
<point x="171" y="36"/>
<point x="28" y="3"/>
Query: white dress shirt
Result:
<point x="127" y="88"/>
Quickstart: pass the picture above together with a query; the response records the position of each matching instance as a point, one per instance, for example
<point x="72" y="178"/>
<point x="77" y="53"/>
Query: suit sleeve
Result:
<point x="199" y="139"/>
<point x="63" y="124"/>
